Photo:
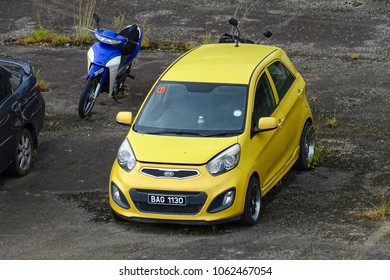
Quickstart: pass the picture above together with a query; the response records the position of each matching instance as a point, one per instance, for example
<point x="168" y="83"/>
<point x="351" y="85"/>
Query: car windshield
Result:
<point x="197" y="109"/>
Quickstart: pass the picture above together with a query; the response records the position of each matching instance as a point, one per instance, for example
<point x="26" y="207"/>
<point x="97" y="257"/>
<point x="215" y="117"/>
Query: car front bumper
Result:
<point x="204" y="194"/>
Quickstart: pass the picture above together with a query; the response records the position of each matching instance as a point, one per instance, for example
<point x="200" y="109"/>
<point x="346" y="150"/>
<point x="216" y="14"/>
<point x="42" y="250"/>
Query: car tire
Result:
<point x="22" y="160"/>
<point x="306" y="147"/>
<point x="115" y="216"/>
<point x="253" y="204"/>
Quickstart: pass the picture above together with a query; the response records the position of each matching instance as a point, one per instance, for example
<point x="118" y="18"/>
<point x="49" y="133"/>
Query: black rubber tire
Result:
<point x="253" y="204"/>
<point x="22" y="161"/>
<point x="115" y="216"/>
<point x="86" y="103"/>
<point x="307" y="147"/>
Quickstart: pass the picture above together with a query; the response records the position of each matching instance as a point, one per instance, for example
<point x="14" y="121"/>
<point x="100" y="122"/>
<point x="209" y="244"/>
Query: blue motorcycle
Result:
<point x="109" y="64"/>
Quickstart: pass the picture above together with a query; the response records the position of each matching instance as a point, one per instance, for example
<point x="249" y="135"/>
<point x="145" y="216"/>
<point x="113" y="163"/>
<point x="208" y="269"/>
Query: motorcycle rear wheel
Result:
<point x="87" y="99"/>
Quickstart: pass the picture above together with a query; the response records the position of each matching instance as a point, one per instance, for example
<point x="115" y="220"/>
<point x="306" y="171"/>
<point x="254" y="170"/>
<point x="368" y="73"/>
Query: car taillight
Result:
<point x="37" y="87"/>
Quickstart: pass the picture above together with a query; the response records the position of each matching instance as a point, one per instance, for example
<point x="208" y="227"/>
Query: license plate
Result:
<point x="167" y="199"/>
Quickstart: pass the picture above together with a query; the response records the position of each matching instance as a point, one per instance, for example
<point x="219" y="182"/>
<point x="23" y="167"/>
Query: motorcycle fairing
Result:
<point x="100" y="57"/>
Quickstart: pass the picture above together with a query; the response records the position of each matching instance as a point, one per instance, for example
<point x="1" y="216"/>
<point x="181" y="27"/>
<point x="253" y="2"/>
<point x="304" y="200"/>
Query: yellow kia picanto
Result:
<point x="220" y="127"/>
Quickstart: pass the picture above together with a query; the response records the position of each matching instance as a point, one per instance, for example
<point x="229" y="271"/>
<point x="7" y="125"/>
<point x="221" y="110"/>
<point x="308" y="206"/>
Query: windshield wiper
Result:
<point x="222" y="133"/>
<point x="174" y="132"/>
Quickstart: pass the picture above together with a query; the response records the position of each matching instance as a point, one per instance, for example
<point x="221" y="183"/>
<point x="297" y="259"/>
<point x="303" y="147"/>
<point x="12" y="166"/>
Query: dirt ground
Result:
<point x="60" y="210"/>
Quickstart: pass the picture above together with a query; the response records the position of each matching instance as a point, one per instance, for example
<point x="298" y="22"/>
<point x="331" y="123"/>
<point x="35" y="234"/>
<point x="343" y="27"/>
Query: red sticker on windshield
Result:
<point x="161" y="89"/>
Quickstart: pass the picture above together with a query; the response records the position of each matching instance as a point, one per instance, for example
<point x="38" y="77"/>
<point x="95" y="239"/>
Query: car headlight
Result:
<point x="107" y="40"/>
<point x="225" y="161"/>
<point x="126" y="157"/>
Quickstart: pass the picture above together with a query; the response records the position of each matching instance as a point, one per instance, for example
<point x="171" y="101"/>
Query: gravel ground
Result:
<point x="60" y="210"/>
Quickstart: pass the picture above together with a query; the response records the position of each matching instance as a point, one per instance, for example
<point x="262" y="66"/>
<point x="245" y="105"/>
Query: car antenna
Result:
<point x="234" y="22"/>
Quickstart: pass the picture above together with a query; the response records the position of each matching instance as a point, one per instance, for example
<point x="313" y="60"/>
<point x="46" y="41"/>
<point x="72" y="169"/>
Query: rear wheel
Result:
<point x="307" y="147"/>
<point x="87" y="99"/>
<point x="253" y="203"/>
<point x="22" y="162"/>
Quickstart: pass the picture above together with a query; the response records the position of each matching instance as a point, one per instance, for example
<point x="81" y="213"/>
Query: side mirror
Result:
<point x="233" y="22"/>
<point x="96" y="19"/>
<point x="267" y="34"/>
<point x="266" y="124"/>
<point x="125" y="118"/>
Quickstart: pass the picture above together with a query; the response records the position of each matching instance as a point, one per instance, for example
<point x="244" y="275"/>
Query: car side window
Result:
<point x="3" y="91"/>
<point x="281" y="77"/>
<point x="264" y="99"/>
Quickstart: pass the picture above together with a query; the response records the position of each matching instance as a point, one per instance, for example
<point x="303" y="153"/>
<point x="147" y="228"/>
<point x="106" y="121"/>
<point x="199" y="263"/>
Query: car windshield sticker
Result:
<point x="237" y="113"/>
<point x="161" y="89"/>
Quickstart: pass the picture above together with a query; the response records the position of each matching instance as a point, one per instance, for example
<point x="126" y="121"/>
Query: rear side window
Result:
<point x="11" y="77"/>
<point x="281" y="77"/>
<point x="14" y="81"/>
<point x="3" y="90"/>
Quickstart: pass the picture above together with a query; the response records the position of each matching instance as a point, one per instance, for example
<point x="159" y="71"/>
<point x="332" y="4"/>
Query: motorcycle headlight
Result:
<point x="107" y="40"/>
<point x="225" y="161"/>
<point x="126" y="157"/>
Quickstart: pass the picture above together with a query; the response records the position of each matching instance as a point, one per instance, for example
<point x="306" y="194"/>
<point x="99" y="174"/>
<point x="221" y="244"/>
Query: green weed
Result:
<point x="83" y="11"/>
<point x="332" y="122"/>
<point x="379" y="211"/>
<point x="45" y="36"/>
<point x="118" y="22"/>
<point x="146" y="29"/>
<point x="44" y="85"/>
<point x="354" y="56"/>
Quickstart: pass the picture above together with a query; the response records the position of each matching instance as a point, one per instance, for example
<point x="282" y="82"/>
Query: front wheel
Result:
<point x="87" y="97"/>
<point x="253" y="203"/>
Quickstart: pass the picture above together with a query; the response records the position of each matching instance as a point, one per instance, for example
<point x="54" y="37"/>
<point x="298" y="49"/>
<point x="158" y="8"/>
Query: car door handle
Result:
<point x="300" y="91"/>
<point x="280" y="121"/>
<point x="16" y="107"/>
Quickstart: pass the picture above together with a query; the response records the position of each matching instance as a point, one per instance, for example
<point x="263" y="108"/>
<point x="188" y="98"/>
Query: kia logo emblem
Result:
<point x="169" y="173"/>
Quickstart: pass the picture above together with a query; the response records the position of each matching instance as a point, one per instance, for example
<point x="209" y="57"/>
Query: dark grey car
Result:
<point x="22" y="112"/>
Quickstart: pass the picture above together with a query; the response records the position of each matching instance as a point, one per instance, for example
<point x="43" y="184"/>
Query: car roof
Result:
<point x="219" y="63"/>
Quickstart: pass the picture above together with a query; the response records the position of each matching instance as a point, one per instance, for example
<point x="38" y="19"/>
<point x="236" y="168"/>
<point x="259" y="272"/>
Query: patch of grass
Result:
<point x="83" y="11"/>
<point x="377" y="212"/>
<point x="45" y="36"/>
<point x="34" y="154"/>
<point x="354" y="56"/>
<point x="206" y="38"/>
<point x="146" y="43"/>
<point x="190" y="45"/>
<point x="44" y="85"/>
<point x="332" y="122"/>
<point x="83" y="37"/>
<point x="317" y="158"/>
<point x="118" y="22"/>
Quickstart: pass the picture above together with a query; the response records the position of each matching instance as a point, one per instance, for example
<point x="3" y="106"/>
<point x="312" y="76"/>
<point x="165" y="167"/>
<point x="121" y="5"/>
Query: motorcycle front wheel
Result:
<point x="87" y="99"/>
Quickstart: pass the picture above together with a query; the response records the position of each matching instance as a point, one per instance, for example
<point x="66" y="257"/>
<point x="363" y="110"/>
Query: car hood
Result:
<point x="177" y="149"/>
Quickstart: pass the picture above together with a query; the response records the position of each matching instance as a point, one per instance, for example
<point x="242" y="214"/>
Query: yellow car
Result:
<point x="220" y="127"/>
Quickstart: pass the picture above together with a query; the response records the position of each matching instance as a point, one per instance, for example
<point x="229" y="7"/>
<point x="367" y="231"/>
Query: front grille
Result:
<point x="168" y="209"/>
<point x="194" y="202"/>
<point x="170" y="173"/>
